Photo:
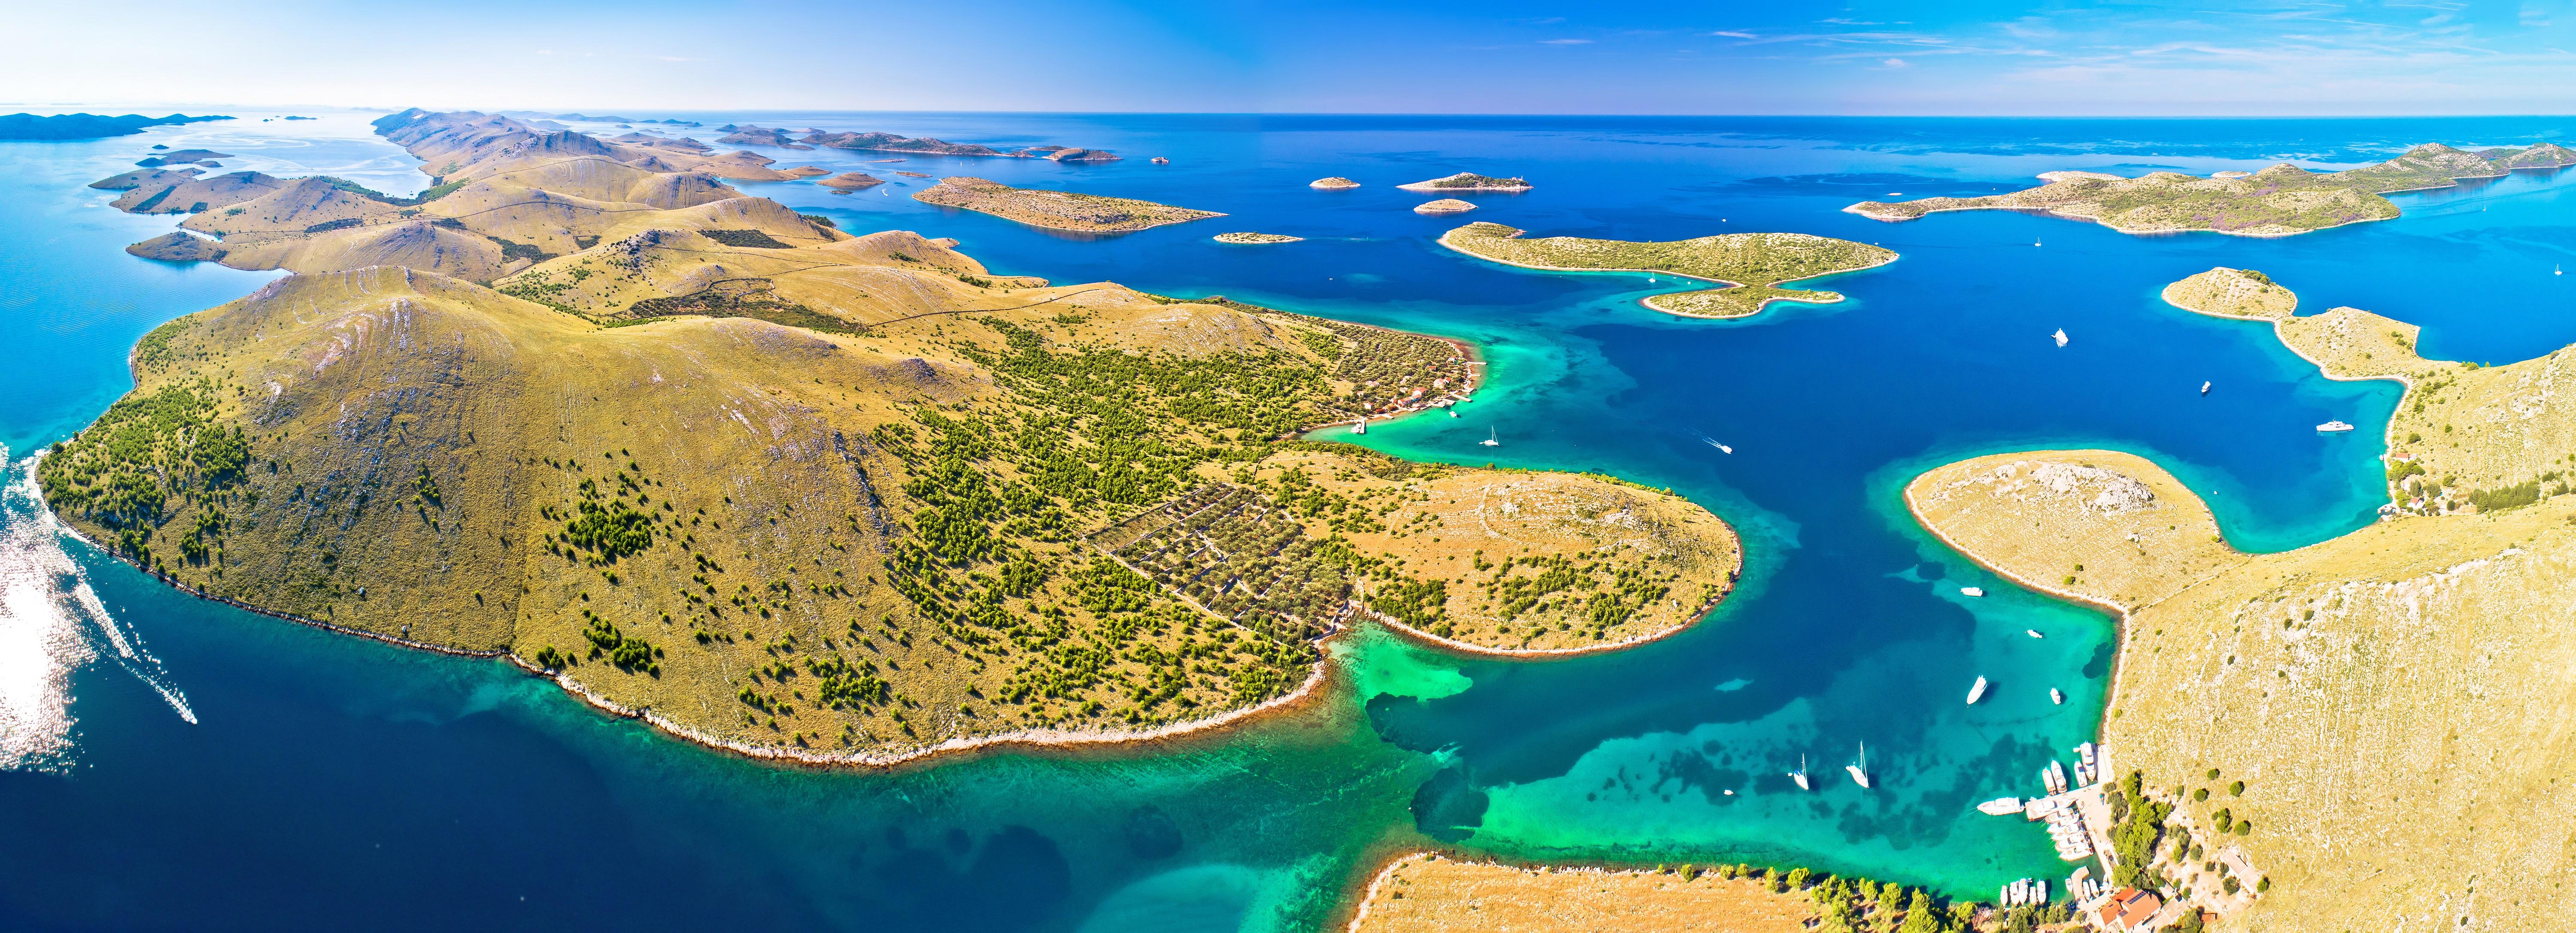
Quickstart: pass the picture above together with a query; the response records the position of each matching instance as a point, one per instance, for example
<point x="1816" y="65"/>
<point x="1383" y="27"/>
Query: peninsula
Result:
<point x="28" y="126"/>
<point x="2266" y="695"/>
<point x="1468" y="181"/>
<point x="1752" y="265"/>
<point x="802" y="494"/>
<point x="2278" y="201"/>
<point x="1055" y="210"/>
<point x="1433" y="893"/>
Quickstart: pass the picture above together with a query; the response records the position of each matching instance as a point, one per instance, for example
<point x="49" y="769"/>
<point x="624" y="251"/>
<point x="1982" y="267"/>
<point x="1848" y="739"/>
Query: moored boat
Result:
<point x="1977" y="692"/>
<point x="1972" y="591"/>
<point x="2000" y="806"/>
<point x="2056" y="697"/>
<point x="1860" y="769"/>
<point x="1800" y="775"/>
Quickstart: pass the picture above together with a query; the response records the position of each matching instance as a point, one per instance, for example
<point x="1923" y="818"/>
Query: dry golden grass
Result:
<point x="2392" y="699"/>
<point x="1427" y="893"/>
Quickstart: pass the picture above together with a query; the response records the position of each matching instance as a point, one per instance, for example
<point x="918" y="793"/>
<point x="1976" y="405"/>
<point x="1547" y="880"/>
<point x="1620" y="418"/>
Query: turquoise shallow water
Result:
<point x="329" y="782"/>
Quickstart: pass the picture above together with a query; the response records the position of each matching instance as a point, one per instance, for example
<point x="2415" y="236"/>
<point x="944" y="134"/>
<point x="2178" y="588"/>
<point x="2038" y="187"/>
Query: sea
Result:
<point x="167" y="763"/>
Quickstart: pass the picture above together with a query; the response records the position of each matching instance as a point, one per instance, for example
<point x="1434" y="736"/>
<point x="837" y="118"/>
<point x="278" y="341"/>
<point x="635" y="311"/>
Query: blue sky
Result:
<point x="1957" y="57"/>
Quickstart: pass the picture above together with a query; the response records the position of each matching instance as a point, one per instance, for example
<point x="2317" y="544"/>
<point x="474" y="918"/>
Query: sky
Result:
<point x="1957" y="57"/>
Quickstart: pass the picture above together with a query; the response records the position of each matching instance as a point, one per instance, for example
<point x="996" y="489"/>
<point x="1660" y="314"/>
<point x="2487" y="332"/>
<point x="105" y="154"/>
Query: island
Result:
<point x="1752" y="266"/>
<point x="1334" y="183"/>
<point x="183" y="157"/>
<point x="802" y="495"/>
<point x="759" y="136"/>
<point x="2260" y="700"/>
<point x="1055" y="210"/>
<point x="28" y="126"/>
<point x="1468" y="181"/>
<point x="1256" y="238"/>
<point x="1443" y="206"/>
<point x="2278" y="201"/>
<point x="851" y="181"/>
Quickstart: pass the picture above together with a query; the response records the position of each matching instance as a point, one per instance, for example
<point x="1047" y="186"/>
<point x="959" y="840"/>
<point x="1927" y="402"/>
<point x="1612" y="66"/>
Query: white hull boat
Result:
<point x="1860" y="769"/>
<point x="2000" y="806"/>
<point x="1977" y="692"/>
<point x="2333" y="427"/>
<point x="1972" y="591"/>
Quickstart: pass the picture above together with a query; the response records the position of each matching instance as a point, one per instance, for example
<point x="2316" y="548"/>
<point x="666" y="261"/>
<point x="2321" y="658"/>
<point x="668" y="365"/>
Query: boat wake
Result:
<point x="1711" y="441"/>
<point x="51" y="624"/>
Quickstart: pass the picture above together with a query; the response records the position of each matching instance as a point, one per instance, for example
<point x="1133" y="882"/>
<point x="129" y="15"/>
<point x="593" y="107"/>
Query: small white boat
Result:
<point x="2204" y="388"/>
<point x="2061" y="336"/>
<point x="2032" y="632"/>
<point x="1489" y="440"/>
<point x="2333" y="427"/>
<point x="1977" y="692"/>
<point x="2000" y="806"/>
<point x="1860" y="769"/>
<point x="1800" y="775"/>
<point x="1361" y="427"/>
<point x="1972" y="591"/>
<point x="2034" y="242"/>
<point x="2056" y="697"/>
<point x="1453" y="413"/>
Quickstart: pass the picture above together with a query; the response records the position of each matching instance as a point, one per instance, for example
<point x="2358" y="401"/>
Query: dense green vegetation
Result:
<point x="147" y="453"/>
<point x="751" y="239"/>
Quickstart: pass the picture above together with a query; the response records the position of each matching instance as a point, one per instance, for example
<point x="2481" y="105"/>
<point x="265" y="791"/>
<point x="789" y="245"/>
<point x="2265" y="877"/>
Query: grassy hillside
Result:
<point x="2329" y="718"/>
<point x="792" y="490"/>
<point x="2353" y="686"/>
<point x="1756" y="263"/>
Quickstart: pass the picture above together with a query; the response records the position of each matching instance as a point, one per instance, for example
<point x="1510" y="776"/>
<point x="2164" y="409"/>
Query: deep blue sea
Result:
<point x="167" y="764"/>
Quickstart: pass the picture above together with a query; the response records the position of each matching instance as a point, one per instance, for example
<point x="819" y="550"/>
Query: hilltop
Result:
<point x="1753" y="265"/>
<point x="800" y="493"/>
<point x="1057" y="210"/>
<point x="2335" y="702"/>
<point x="2278" y="201"/>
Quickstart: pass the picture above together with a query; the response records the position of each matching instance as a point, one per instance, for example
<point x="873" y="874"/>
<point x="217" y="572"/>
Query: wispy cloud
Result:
<point x="1734" y="34"/>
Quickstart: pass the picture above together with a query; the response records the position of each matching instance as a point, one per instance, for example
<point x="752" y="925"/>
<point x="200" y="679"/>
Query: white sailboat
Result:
<point x="2060" y="336"/>
<point x="1800" y="775"/>
<point x="1860" y="769"/>
<point x="1489" y="440"/>
<point x="1977" y="692"/>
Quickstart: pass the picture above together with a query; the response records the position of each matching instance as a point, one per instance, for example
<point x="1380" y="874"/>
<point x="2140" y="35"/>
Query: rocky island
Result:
<point x="800" y="494"/>
<point x="1753" y="265"/>
<point x="1468" y="181"/>
<point x="1443" y="206"/>
<point x="851" y="181"/>
<point x="2278" y="201"/>
<point x="1335" y="183"/>
<point x="2264" y="695"/>
<point x="1055" y="210"/>
<point x="1257" y="238"/>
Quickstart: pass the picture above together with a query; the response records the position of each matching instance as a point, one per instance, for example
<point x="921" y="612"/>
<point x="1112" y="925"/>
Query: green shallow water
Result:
<point x="332" y="782"/>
